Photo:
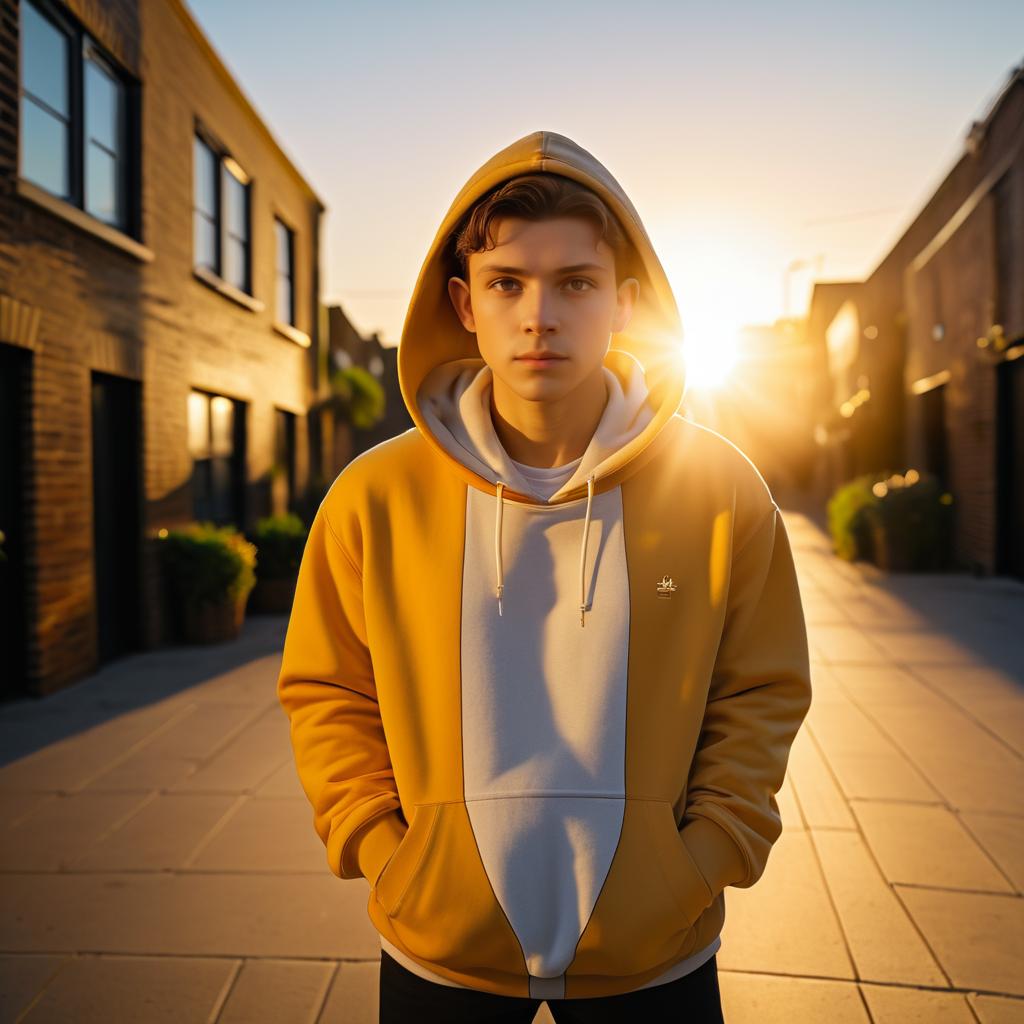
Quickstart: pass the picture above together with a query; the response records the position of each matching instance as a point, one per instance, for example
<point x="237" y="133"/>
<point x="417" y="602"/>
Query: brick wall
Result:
<point x="101" y="308"/>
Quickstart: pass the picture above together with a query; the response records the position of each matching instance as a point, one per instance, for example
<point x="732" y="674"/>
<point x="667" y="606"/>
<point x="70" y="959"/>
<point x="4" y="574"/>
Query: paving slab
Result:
<point x="997" y="1009"/>
<point x="277" y="991"/>
<point x="183" y="914"/>
<point x="749" y="998"/>
<point x="921" y="844"/>
<point x="868" y="908"/>
<point x="978" y="938"/>
<point x="821" y="801"/>
<point x="161" y="990"/>
<point x="786" y="923"/>
<point x="893" y="1004"/>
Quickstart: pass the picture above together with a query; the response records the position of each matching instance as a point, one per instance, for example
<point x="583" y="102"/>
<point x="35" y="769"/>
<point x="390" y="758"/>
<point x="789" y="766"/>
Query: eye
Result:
<point x="502" y="280"/>
<point x="580" y="280"/>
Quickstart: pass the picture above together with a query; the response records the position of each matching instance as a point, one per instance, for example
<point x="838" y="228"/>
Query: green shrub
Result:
<point x="280" y="541"/>
<point x="847" y="522"/>
<point x="358" y="396"/>
<point x="207" y="563"/>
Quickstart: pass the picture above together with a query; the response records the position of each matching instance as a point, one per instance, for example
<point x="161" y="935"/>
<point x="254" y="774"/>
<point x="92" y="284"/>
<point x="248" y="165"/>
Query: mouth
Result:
<point x="540" y="357"/>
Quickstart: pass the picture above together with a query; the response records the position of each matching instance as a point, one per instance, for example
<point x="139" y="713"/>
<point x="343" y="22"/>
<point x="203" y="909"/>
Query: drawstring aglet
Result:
<point x="583" y="608"/>
<point x="500" y="589"/>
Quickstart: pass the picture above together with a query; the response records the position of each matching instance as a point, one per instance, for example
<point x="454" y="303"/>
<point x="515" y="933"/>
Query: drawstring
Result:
<point x="497" y="542"/>
<point x="583" y="549"/>
<point x="499" y="494"/>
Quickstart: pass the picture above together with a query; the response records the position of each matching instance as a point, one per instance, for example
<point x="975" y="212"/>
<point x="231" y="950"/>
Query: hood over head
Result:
<point x="446" y="384"/>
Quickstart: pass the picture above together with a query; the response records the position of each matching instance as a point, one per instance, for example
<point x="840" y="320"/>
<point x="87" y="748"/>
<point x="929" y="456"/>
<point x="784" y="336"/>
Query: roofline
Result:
<point x="979" y="128"/>
<point x="972" y="140"/>
<point x="236" y="91"/>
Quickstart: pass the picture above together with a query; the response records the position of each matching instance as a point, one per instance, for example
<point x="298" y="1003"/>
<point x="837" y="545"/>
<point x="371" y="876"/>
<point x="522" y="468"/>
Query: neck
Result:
<point x="548" y="434"/>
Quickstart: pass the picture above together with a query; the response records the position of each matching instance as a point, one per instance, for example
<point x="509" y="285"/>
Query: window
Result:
<point x="221" y="215"/>
<point x="45" y="103"/>
<point x="216" y="444"/>
<point x="285" y="238"/>
<point x="79" y="115"/>
<point x="207" y="243"/>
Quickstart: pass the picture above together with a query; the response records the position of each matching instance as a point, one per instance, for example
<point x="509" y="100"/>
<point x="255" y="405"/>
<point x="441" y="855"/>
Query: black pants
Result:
<point x="406" y="998"/>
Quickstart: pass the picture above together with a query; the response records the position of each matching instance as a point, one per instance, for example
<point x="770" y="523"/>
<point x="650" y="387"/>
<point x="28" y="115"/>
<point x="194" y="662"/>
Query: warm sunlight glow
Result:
<point x="710" y="340"/>
<point x="710" y="361"/>
<point x="715" y="301"/>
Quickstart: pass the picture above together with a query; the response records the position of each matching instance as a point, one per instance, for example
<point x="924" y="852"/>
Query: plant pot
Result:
<point x="890" y="554"/>
<point x="213" y="622"/>
<point x="273" y="596"/>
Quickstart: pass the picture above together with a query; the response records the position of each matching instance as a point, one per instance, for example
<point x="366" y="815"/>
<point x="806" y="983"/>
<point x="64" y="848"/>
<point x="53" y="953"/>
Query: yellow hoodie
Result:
<point x="549" y="733"/>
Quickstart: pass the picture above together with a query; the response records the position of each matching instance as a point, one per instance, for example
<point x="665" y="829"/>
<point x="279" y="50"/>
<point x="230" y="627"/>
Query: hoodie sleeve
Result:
<point x="326" y="687"/>
<point x="759" y="695"/>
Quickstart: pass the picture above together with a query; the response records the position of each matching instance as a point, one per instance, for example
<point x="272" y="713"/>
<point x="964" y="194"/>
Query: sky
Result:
<point x="747" y="135"/>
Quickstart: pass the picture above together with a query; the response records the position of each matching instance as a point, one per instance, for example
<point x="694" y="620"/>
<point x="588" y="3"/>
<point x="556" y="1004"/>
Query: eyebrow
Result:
<point x="575" y="268"/>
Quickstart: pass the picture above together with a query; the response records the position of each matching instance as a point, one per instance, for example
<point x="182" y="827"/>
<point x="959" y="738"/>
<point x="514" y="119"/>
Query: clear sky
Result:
<point x="748" y="135"/>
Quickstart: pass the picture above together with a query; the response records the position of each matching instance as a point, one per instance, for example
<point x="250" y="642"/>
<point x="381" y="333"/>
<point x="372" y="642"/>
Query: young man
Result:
<point x="547" y="655"/>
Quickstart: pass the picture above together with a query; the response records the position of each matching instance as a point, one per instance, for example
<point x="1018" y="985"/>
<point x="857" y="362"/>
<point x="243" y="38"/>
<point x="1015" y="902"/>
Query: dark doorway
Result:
<point x="936" y="448"/>
<point x="284" y="461"/>
<point x="1010" y="467"/>
<point x="117" y="512"/>
<point x="15" y="382"/>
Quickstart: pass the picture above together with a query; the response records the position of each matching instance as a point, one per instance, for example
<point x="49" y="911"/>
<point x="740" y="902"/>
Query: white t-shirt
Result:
<point x="547" y="481"/>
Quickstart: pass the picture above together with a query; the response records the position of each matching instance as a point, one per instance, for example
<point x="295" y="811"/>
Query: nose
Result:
<point x="538" y="313"/>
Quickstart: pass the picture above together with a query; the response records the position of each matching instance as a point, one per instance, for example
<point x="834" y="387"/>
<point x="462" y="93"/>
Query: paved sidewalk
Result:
<point x="159" y="861"/>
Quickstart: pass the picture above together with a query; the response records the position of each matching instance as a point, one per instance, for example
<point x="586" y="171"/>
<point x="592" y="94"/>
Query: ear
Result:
<point x="458" y="292"/>
<point x="629" y="293"/>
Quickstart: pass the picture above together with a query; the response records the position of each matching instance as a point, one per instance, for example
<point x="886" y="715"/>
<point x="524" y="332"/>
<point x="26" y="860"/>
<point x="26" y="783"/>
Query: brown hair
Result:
<point x="535" y="197"/>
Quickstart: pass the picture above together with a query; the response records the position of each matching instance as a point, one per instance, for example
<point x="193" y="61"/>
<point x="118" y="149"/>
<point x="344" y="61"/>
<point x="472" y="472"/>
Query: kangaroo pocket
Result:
<point x="650" y="900"/>
<point x="438" y="899"/>
<point x="588" y="885"/>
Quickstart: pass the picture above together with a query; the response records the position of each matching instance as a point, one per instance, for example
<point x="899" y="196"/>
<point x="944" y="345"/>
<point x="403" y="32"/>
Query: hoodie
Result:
<point x="547" y="727"/>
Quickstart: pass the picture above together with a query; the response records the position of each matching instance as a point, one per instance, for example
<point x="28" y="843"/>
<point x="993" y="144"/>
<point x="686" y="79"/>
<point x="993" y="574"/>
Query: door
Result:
<point x="936" y="444"/>
<point x="15" y="371"/>
<point x="117" y="512"/>
<point x="1010" y="468"/>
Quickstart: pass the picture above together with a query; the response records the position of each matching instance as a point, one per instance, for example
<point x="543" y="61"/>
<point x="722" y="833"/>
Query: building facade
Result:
<point x="348" y="348"/>
<point x="159" y="338"/>
<point x="925" y="356"/>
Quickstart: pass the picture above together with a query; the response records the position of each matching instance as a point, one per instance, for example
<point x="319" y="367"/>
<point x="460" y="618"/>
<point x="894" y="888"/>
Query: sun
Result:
<point x="711" y="356"/>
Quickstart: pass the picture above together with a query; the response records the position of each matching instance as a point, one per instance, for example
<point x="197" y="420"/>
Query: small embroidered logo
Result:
<point x="666" y="587"/>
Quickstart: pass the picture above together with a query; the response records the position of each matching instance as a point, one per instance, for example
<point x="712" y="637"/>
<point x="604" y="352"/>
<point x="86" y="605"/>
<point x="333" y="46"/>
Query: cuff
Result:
<point x="376" y="841"/>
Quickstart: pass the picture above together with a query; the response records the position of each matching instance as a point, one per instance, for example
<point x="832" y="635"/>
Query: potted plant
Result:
<point x="280" y="541"/>
<point x="911" y="523"/>
<point x="209" y="571"/>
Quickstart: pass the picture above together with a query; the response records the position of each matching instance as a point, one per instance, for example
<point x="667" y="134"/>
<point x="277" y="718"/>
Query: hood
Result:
<point x="446" y="384"/>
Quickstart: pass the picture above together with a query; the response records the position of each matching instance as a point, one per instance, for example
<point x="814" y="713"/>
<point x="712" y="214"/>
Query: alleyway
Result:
<point x="159" y="861"/>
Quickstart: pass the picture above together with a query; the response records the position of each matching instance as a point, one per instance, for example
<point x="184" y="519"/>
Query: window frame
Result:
<point x="225" y="164"/>
<point x="292" y="320"/>
<point x="82" y="46"/>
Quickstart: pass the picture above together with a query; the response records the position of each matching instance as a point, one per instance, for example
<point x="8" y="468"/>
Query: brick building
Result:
<point x="349" y="348"/>
<point x="159" y="340"/>
<point x="924" y="355"/>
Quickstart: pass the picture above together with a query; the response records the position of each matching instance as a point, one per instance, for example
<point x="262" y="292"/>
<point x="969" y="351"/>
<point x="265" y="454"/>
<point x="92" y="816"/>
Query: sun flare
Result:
<point x="710" y="359"/>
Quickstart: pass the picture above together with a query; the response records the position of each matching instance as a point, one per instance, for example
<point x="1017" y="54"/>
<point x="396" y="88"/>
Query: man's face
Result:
<point x="546" y="286"/>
